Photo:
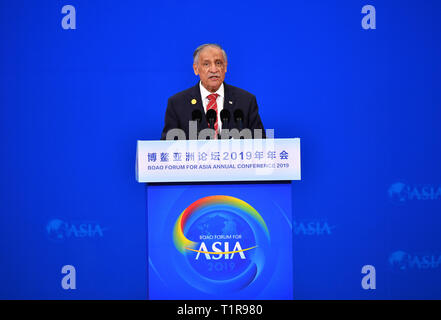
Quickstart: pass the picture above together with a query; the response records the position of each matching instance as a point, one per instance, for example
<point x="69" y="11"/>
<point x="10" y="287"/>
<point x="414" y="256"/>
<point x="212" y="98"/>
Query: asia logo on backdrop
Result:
<point x="401" y="193"/>
<point x="59" y="230"/>
<point x="404" y="261"/>
<point x="313" y="228"/>
<point x="223" y="240"/>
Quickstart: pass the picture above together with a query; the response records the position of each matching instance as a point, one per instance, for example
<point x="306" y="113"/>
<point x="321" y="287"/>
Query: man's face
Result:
<point x="211" y="67"/>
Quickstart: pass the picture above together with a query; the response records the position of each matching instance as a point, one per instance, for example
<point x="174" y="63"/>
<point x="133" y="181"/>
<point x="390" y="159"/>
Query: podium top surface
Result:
<point x="218" y="160"/>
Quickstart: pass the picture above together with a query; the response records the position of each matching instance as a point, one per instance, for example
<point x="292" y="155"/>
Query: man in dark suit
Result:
<point x="212" y="93"/>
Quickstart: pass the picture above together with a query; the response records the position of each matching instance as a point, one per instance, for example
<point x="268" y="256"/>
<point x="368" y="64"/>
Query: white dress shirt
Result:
<point x="220" y="101"/>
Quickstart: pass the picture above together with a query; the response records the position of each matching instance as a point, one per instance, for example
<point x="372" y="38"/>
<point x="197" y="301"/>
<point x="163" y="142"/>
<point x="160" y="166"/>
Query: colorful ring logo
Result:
<point x="238" y="218"/>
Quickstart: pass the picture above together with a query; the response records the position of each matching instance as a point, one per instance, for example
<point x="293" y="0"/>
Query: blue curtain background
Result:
<point x="366" y="104"/>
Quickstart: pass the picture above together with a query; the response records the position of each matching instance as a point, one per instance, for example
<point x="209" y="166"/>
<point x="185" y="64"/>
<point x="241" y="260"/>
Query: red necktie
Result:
<point x="213" y="105"/>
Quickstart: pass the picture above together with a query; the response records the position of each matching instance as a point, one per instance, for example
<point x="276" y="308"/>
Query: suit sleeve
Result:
<point x="171" y="120"/>
<point x="254" y="118"/>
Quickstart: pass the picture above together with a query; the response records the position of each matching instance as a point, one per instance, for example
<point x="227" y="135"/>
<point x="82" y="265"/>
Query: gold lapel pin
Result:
<point x="193" y="101"/>
<point x="230" y="102"/>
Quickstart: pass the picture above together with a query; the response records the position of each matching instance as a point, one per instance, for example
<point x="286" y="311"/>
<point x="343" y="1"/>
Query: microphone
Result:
<point x="211" y="117"/>
<point x="238" y="118"/>
<point x="225" y="118"/>
<point x="196" y="115"/>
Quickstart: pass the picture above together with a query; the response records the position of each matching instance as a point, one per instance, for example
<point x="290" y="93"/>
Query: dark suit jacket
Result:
<point x="180" y="108"/>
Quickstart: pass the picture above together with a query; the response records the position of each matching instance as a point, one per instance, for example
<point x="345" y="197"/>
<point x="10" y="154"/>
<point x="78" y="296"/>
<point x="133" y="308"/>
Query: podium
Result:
<point x="219" y="218"/>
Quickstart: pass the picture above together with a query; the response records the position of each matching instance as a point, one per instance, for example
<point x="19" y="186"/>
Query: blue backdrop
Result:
<point x="366" y="104"/>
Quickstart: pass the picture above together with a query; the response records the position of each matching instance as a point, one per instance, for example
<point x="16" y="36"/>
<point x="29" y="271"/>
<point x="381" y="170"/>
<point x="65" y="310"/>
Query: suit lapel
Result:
<point x="229" y="103"/>
<point x="195" y="102"/>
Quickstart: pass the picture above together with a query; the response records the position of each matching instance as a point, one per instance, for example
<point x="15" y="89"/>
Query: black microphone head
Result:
<point x="225" y="116"/>
<point x="238" y="115"/>
<point x="211" y="115"/>
<point x="196" y="115"/>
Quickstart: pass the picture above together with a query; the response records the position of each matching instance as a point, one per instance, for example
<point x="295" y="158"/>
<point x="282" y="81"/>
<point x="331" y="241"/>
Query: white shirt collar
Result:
<point x="205" y="93"/>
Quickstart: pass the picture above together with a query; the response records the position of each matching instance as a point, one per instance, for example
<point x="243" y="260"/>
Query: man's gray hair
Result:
<point x="202" y="47"/>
